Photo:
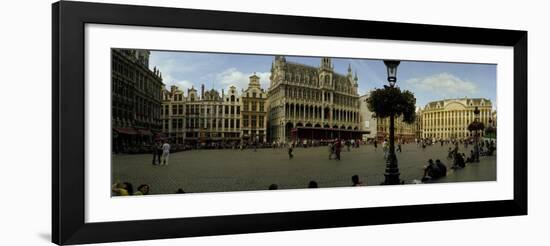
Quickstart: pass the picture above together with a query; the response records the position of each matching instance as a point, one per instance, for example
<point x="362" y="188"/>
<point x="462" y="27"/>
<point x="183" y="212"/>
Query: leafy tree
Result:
<point x="392" y="101"/>
<point x="476" y="126"/>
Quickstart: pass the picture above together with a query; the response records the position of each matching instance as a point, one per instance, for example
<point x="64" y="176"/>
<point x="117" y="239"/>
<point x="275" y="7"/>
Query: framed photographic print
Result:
<point x="175" y="122"/>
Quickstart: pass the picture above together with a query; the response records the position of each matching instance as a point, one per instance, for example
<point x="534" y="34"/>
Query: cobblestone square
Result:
<point x="236" y="170"/>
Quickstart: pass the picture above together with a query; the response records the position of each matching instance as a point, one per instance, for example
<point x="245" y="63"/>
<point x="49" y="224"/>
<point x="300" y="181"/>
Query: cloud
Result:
<point x="168" y="81"/>
<point x="239" y="79"/>
<point x="175" y="68"/>
<point x="444" y="84"/>
<point x="184" y="84"/>
<point x="174" y="63"/>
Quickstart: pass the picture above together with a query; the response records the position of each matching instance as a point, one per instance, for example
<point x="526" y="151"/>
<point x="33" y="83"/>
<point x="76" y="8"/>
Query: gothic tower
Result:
<point x="143" y="57"/>
<point x="325" y="73"/>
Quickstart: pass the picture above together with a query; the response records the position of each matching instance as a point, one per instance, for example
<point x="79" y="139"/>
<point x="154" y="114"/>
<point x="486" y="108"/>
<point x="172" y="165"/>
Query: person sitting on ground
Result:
<point x="491" y="149"/>
<point x="450" y="154"/>
<point x="122" y="189"/>
<point x="466" y="159"/>
<point x="458" y="161"/>
<point x="431" y="171"/>
<point x="355" y="180"/>
<point x="442" y="168"/>
<point x="472" y="156"/>
<point x="273" y="187"/>
<point x="312" y="184"/>
<point x="142" y="190"/>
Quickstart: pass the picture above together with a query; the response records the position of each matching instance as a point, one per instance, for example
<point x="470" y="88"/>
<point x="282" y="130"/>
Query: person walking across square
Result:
<point x="290" y="149"/>
<point x="155" y="153"/>
<point x="165" y="152"/>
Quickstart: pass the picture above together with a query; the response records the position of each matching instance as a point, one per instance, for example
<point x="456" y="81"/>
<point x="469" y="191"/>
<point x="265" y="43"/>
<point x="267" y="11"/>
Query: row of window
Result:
<point x="253" y="106"/>
<point x="137" y="79"/>
<point x="254" y="120"/>
<point x="317" y="113"/>
<point x="192" y="123"/>
<point x="248" y="121"/>
<point x="456" y="122"/>
<point x="445" y="129"/>
<point x="179" y="98"/>
<point x="178" y="109"/>
<point x="446" y="135"/>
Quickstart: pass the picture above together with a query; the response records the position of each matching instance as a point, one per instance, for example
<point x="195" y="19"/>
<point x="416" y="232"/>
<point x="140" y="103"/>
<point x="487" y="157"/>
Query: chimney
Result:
<point x="222" y="93"/>
<point x="202" y="91"/>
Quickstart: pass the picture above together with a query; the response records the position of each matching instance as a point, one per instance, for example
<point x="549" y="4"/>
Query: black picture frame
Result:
<point x="68" y="107"/>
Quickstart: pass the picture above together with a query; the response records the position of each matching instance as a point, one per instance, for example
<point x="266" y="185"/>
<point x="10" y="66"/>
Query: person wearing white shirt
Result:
<point x="165" y="152"/>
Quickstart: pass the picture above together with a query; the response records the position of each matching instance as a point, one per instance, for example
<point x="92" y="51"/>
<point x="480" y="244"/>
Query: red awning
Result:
<point x="160" y="136"/>
<point x="127" y="131"/>
<point x="145" y="132"/>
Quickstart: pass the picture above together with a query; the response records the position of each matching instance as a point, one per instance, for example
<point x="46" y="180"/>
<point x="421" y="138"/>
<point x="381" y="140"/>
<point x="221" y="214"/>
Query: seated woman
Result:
<point x="468" y="159"/>
<point x="122" y="189"/>
<point x="450" y="154"/>
<point x="355" y="180"/>
<point x="471" y="158"/>
<point x="442" y="168"/>
<point x="491" y="150"/>
<point x="432" y="171"/>
<point x="142" y="190"/>
<point x="458" y="162"/>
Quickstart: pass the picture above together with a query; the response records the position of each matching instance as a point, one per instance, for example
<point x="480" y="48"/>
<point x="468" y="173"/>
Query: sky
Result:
<point x="429" y="81"/>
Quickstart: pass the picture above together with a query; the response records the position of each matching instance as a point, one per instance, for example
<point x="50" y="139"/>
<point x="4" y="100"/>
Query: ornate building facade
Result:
<point x="231" y="115"/>
<point x="418" y="124"/>
<point x="368" y="122"/>
<point x="449" y="119"/>
<point x="403" y="131"/>
<point x="173" y="114"/>
<point x="135" y="100"/>
<point x="253" y="112"/>
<point x="315" y="103"/>
<point x="201" y="119"/>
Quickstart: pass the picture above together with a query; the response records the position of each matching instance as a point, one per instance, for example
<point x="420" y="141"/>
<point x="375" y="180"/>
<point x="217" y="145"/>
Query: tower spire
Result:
<point x="326" y="63"/>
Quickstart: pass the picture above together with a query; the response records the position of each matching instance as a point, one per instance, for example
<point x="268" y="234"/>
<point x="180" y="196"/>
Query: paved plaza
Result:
<point x="236" y="170"/>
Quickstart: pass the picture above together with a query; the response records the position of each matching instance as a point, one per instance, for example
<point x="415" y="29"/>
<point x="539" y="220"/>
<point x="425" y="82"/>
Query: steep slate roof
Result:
<point x="297" y="68"/>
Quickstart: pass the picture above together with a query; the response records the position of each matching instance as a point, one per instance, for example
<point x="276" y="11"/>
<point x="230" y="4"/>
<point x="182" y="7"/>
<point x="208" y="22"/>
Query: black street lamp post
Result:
<point x="392" y="170"/>
<point x="476" y="135"/>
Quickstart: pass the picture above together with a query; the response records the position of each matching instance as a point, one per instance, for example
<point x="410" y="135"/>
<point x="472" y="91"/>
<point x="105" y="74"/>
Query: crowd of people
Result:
<point x="161" y="152"/>
<point x="355" y="181"/>
<point x="335" y="147"/>
<point x="432" y="171"/>
<point x="459" y="159"/>
<point x="126" y="188"/>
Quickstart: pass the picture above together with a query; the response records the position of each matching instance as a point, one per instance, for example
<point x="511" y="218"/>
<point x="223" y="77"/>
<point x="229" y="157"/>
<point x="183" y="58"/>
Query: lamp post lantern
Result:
<point x="392" y="170"/>
<point x="391" y="67"/>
